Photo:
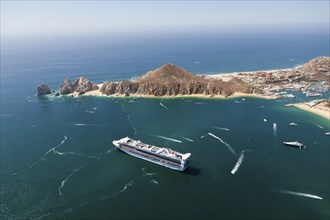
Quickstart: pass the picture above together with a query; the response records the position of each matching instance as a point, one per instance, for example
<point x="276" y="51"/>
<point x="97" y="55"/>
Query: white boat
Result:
<point x="293" y="124"/>
<point x="327" y="133"/>
<point x="312" y="94"/>
<point x="295" y="144"/>
<point x="159" y="155"/>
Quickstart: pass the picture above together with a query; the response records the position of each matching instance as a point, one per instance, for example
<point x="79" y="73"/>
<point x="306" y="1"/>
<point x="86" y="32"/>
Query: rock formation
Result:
<point x="316" y="65"/>
<point x="172" y="80"/>
<point x="80" y="86"/>
<point x="43" y="89"/>
<point x="317" y="69"/>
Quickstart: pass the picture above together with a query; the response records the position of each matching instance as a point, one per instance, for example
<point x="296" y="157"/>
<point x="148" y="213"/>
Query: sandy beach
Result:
<point x="319" y="109"/>
<point x="235" y="95"/>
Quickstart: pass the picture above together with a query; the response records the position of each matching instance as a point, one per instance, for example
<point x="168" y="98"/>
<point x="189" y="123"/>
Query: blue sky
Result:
<point x="60" y="18"/>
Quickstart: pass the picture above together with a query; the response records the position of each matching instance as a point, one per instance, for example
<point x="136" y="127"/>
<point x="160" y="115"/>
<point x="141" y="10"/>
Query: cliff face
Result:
<point x="172" y="80"/>
<point x="81" y="85"/>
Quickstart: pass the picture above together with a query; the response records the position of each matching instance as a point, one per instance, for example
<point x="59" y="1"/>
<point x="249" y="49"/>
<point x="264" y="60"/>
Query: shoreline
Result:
<point x="235" y="95"/>
<point x="318" y="109"/>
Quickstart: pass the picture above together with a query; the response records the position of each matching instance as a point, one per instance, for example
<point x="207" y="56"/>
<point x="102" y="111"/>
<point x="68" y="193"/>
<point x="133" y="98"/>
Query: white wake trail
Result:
<point x="275" y="129"/>
<point x="318" y="125"/>
<point x="43" y="157"/>
<point x="226" y="144"/>
<point x="123" y="189"/>
<point x="135" y="130"/>
<point x="73" y="153"/>
<point x="238" y="163"/>
<point x="187" y="139"/>
<point x="145" y="173"/>
<point x="111" y="150"/>
<point x="60" y="188"/>
<point x="307" y="195"/>
<point x="167" y="138"/>
<point x="90" y="111"/>
<point x="220" y="128"/>
<point x="154" y="181"/>
<point x="80" y="124"/>
<point x="164" y="106"/>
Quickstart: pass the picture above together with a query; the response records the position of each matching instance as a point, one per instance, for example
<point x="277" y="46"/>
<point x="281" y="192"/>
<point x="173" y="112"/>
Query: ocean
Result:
<point x="58" y="161"/>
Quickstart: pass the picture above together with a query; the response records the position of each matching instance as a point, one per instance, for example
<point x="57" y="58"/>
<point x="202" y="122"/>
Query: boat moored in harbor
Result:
<point x="295" y="144"/>
<point x="159" y="155"/>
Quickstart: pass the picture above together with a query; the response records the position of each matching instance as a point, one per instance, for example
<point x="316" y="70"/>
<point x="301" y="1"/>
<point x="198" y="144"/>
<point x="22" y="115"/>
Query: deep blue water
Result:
<point x="84" y="177"/>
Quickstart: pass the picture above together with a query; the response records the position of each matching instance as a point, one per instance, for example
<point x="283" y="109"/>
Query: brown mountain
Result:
<point x="172" y="80"/>
<point x="317" y="69"/>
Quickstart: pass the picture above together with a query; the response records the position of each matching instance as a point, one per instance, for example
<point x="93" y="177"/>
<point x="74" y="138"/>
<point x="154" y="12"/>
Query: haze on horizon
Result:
<point x="36" y="19"/>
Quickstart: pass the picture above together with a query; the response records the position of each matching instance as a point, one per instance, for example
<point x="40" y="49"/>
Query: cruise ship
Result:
<point x="158" y="155"/>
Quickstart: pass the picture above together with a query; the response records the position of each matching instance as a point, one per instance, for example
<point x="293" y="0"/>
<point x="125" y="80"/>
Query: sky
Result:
<point x="20" y="19"/>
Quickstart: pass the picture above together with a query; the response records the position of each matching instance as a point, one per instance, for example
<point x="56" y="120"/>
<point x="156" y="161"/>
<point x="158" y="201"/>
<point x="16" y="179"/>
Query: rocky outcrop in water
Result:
<point x="80" y="86"/>
<point x="171" y="80"/>
<point x="43" y="89"/>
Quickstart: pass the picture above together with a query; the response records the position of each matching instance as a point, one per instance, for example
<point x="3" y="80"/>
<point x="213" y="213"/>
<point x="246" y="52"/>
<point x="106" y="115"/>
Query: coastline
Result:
<point x="235" y="95"/>
<point x="319" y="109"/>
<point x="228" y="76"/>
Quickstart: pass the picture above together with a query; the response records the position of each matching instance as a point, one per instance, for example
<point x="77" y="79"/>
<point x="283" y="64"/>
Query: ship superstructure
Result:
<point x="159" y="155"/>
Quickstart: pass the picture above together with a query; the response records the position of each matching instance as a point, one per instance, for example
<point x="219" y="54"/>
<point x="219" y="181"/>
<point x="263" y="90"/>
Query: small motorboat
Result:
<point x="295" y="144"/>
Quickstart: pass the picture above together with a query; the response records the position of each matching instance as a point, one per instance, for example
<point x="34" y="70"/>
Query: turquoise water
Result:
<point x="57" y="159"/>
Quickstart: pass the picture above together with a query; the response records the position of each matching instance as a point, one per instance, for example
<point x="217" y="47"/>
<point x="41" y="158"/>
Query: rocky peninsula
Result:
<point x="171" y="80"/>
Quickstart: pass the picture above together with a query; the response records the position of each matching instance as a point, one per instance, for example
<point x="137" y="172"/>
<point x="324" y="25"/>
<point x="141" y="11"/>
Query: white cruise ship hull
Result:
<point x="152" y="159"/>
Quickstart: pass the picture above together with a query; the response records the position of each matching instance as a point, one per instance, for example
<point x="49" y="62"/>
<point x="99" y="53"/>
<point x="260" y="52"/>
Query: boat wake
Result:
<point x="153" y="181"/>
<point x="238" y="163"/>
<point x="167" y="138"/>
<point x="318" y="125"/>
<point x="130" y="183"/>
<point x="73" y="153"/>
<point x="111" y="150"/>
<point x="145" y="173"/>
<point x="226" y="144"/>
<point x="135" y="130"/>
<point x="187" y="139"/>
<point x="164" y="106"/>
<point x="81" y="124"/>
<point x="124" y="110"/>
<point x="43" y="157"/>
<point x="220" y="128"/>
<point x="90" y="111"/>
<point x="60" y="188"/>
<point x="125" y="187"/>
<point x="275" y="129"/>
<point x="307" y="195"/>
